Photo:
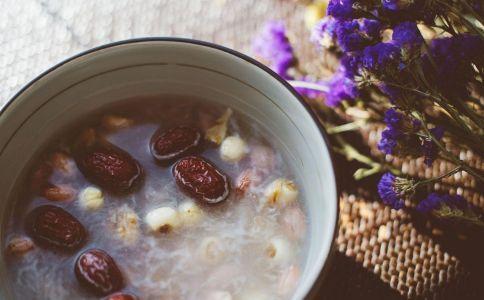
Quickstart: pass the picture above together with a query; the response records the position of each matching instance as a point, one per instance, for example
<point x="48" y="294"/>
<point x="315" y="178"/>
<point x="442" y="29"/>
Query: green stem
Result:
<point x="449" y="109"/>
<point x="472" y="11"/>
<point x="475" y="101"/>
<point x="450" y="28"/>
<point x="476" y="118"/>
<point x="362" y="172"/>
<point x="467" y="215"/>
<point x="462" y="17"/>
<point x="440" y="99"/>
<point x="352" y="154"/>
<point x="449" y="156"/>
<point x="443" y="101"/>
<point x="435" y="179"/>
<point x="469" y="141"/>
<point x="344" y="128"/>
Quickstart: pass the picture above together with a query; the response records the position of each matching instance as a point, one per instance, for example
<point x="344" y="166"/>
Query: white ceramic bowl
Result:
<point x="106" y="74"/>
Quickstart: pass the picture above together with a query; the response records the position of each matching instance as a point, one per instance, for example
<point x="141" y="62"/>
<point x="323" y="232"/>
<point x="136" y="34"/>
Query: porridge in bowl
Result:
<point x="150" y="199"/>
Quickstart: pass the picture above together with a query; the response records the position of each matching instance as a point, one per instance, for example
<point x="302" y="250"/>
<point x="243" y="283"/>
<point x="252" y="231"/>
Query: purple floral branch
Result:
<point x="412" y="74"/>
<point x="447" y="154"/>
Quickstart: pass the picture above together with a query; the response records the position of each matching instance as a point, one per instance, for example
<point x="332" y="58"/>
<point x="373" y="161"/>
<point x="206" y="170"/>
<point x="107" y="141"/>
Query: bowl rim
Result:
<point x="330" y="258"/>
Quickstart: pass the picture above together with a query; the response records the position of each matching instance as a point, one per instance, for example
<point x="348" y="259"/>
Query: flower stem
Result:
<point x="309" y="85"/>
<point x="462" y="18"/>
<point x="476" y="118"/>
<point x="352" y="154"/>
<point x="435" y="179"/>
<point x="450" y="110"/>
<point x="472" y="11"/>
<point x="449" y="156"/>
<point x="467" y="215"/>
<point x="345" y="127"/>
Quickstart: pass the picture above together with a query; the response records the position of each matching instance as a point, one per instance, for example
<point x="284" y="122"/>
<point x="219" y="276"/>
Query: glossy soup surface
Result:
<point x="249" y="246"/>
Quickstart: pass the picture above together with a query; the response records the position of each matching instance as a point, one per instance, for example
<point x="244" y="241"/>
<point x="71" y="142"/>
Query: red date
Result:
<point x="40" y="177"/>
<point x="201" y="180"/>
<point x="58" y="192"/>
<point x="174" y="143"/>
<point x="109" y="167"/>
<point x="53" y="227"/>
<point x="121" y="296"/>
<point x="97" y="271"/>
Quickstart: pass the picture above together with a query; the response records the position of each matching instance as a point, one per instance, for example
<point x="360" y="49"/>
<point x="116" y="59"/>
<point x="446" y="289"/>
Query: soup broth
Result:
<point x="169" y="239"/>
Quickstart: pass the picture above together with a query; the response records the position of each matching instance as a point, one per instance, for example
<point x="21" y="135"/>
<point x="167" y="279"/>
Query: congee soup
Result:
<point x="158" y="198"/>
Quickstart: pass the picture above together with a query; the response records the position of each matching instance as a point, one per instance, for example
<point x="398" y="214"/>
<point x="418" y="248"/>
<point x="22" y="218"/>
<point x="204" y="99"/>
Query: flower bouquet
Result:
<point x="415" y="68"/>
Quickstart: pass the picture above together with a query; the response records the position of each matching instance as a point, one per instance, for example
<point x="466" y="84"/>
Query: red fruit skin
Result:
<point x="98" y="272"/>
<point x="53" y="227"/>
<point x="121" y="296"/>
<point x="174" y="143"/>
<point x="201" y="180"/>
<point x="40" y="177"/>
<point x="110" y="167"/>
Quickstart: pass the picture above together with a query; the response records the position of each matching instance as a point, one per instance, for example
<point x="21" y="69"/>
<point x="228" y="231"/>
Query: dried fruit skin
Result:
<point x="121" y="296"/>
<point x="110" y="167"/>
<point x="98" y="271"/>
<point x="19" y="245"/>
<point x="40" y="177"/>
<point x="174" y="143"/>
<point x="243" y="182"/>
<point x="62" y="162"/>
<point x="201" y="180"/>
<point x="52" y="226"/>
<point x="113" y="122"/>
<point x="58" y="192"/>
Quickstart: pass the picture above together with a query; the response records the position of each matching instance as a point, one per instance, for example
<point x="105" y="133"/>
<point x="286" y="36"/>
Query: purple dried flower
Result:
<point x="351" y="64"/>
<point x="435" y="201"/>
<point x="392" y="190"/>
<point x="370" y="27"/>
<point x="429" y="148"/>
<point x="349" y="39"/>
<point x="452" y="58"/>
<point x="272" y="45"/>
<point x="324" y="33"/>
<point x="396" y="5"/>
<point x="410" y="10"/>
<point x="393" y="118"/>
<point x="357" y="34"/>
<point x="430" y="203"/>
<point x="341" y="88"/>
<point x="450" y="207"/>
<point x="399" y="133"/>
<point x="382" y="59"/>
<point x="407" y="34"/>
<point x="393" y="93"/>
<point x="342" y="9"/>
<point x="393" y="132"/>
<point x="389" y="140"/>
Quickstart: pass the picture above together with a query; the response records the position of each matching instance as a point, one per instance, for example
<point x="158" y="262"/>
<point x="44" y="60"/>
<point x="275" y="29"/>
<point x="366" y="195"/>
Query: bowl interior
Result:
<point x="142" y="68"/>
